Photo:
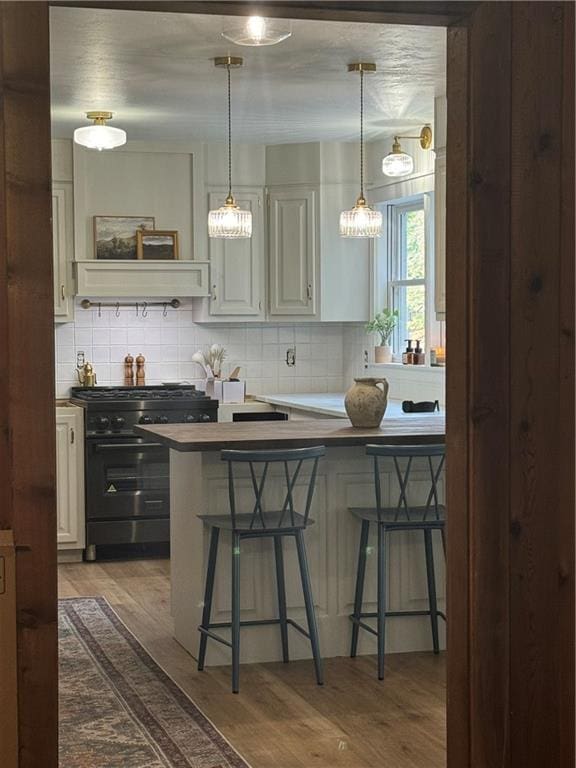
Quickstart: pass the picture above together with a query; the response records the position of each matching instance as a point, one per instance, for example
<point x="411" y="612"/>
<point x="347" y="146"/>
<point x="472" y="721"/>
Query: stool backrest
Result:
<point x="433" y="457"/>
<point x="293" y="460"/>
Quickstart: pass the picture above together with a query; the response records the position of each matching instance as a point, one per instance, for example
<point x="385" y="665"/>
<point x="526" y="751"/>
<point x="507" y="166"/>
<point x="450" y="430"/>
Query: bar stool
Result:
<point x="403" y="517"/>
<point x="261" y="524"/>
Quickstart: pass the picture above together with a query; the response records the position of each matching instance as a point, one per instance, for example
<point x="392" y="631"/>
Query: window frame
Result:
<point x="386" y="270"/>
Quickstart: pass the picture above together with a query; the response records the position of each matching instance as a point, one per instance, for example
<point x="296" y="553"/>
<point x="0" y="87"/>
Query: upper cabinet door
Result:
<point x="62" y="240"/>
<point x="237" y="266"/>
<point x="293" y="245"/>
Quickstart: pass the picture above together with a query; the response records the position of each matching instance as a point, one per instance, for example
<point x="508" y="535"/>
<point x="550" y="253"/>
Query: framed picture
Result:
<point x="115" y="236"/>
<point x="157" y="244"/>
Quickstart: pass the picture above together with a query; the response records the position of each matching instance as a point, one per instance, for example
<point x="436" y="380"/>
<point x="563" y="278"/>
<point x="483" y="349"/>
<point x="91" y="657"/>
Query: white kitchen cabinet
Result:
<point x="70" y="479"/>
<point x="315" y="275"/>
<point x="63" y="245"/>
<point x="293" y="243"/>
<point x="237" y="268"/>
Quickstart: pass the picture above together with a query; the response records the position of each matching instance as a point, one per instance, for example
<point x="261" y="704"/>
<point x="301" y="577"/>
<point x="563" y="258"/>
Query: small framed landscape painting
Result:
<point x="115" y="236"/>
<point x="157" y="244"/>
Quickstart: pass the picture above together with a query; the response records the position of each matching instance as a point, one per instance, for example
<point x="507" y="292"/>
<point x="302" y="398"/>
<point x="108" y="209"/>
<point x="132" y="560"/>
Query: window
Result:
<point x="409" y="271"/>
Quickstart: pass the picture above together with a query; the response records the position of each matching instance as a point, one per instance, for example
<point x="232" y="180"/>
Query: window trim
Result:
<point x="395" y="257"/>
<point x="403" y="193"/>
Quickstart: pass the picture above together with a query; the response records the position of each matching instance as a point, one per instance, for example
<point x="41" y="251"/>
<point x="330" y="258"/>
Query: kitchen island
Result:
<point x="198" y="485"/>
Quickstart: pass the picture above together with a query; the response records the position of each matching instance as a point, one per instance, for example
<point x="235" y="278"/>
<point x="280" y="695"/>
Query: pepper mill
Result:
<point x="128" y="371"/>
<point x="140" y="373"/>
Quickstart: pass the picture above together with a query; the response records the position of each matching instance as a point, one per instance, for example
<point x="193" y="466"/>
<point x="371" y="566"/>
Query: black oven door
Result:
<point x="126" y="478"/>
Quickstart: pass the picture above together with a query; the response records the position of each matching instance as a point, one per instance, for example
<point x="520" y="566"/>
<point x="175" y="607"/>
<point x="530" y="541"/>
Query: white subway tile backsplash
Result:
<point x="169" y="335"/>
<point x="302" y="334"/>
<point x="327" y="355"/>
<point x="270" y="352"/>
<point x="83" y="336"/>
<point x="286" y="335"/>
<point x="65" y="353"/>
<point x="270" y="335"/>
<point x="168" y="354"/>
<point x="153" y="335"/>
<point x="117" y="353"/>
<point x="101" y="354"/>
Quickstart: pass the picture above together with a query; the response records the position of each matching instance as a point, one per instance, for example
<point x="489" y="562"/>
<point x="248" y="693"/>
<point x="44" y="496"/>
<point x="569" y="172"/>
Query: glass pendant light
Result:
<point x="256" y="30"/>
<point x="229" y="221"/>
<point x="399" y="163"/>
<point x="99" y="136"/>
<point x="362" y="220"/>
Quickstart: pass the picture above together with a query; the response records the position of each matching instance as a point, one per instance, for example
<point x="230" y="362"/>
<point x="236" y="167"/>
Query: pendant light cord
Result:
<point x="229" y="133"/>
<point x="362" y="134"/>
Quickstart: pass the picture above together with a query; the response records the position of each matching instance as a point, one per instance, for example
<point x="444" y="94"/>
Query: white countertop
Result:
<point x="329" y="404"/>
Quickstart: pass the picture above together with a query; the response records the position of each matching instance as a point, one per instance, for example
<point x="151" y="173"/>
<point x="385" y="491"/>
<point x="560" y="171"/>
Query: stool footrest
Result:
<point x="393" y="614"/>
<point x="214" y="636"/>
<point x="248" y="623"/>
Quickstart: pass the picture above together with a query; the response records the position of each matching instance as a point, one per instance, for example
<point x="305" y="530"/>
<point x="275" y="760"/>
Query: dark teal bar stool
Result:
<point x="259" y="523"/>
<point x="427" y="517"/>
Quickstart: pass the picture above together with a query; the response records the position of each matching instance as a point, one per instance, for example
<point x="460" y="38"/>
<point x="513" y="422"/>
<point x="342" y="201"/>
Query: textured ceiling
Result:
<point x="155" y="72"/>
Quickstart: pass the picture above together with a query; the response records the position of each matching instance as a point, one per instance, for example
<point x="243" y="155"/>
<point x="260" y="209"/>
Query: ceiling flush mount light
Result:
<point x="256" y="30"/>
<point x="229" y="221"/>
<point x="99" y="135"/>
<point x="399" y="163"/>
<point x="362" y="220"/>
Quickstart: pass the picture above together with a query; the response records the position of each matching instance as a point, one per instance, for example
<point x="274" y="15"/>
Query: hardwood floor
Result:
<point x="281" y="718"/>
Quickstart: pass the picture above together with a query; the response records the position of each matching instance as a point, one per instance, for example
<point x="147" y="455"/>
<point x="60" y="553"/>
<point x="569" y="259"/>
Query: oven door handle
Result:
<point x="102" y="447"/>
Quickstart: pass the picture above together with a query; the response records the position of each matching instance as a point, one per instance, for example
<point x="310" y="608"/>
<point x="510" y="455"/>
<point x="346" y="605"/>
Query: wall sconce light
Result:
<point x="398" y="162"/>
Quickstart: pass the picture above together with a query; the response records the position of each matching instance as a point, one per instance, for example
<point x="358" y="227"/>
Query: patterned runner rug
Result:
<point x="118" y="709"/>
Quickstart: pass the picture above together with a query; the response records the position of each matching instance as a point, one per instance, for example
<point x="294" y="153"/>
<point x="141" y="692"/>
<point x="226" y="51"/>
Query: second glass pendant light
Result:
<point x="361" y="220"/>
<point x="229" y="221"/>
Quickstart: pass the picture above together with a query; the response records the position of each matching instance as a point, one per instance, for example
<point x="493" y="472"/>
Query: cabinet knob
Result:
<point x="72" y="436"/>
<point x="213" y="293"/>
<point x="62" y="294"/>
<point x="309" y="292"/>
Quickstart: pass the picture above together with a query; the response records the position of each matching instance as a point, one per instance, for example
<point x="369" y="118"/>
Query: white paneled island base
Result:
<point x="199" y="485"/>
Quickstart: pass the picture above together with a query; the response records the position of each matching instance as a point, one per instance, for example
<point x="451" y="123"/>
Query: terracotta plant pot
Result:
<point x="383" y="354"/>
<point x="366" y="403"/>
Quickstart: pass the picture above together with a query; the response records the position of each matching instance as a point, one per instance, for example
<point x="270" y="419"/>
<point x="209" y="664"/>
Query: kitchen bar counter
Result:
<point x="198" y="485"/>
<point x="406" y="429"/>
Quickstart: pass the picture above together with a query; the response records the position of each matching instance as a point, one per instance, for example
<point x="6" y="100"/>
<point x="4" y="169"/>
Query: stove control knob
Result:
<point x="205" y="417"/>
<point x="162" y="420"/>
<point x="145" y="420"/>
<point x="190" y="419"/>
<point x="118" y="422"/>
<point x="101" y="422"/>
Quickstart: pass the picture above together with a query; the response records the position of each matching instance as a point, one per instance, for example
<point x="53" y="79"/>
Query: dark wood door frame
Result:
<point x="510" y="381"/>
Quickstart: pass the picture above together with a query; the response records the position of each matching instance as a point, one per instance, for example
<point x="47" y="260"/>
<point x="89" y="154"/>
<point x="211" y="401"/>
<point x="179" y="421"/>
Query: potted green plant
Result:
<point x="383" y="324"/>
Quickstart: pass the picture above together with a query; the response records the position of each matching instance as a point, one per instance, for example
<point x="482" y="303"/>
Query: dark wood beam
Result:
<point x="440" y="13"/>
<point x="27" y="416"/>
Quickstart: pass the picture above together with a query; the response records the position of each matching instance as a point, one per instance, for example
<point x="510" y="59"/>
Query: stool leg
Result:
<point x="359" y="584"/>
<point x="212" y="555"/>
<point x="281" y="585"/>
<point x="235" y="613"/>
<point x="309" y="603"/>
<point x="431" y="588"/>
<point x="443" y="534"/>
<point x="381" y="618"/>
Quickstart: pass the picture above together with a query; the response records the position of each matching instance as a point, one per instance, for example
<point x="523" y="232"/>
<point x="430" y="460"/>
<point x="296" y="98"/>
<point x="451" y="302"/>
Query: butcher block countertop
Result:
<point x="426" y="428"/>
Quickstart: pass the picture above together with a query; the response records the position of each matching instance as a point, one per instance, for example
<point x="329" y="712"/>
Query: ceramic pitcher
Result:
<point x="365" y="402"/>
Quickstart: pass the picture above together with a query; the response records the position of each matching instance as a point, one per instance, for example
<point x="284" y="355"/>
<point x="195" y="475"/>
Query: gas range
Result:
<point x="127" y="477"/>
<point x="114" y="411"/>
